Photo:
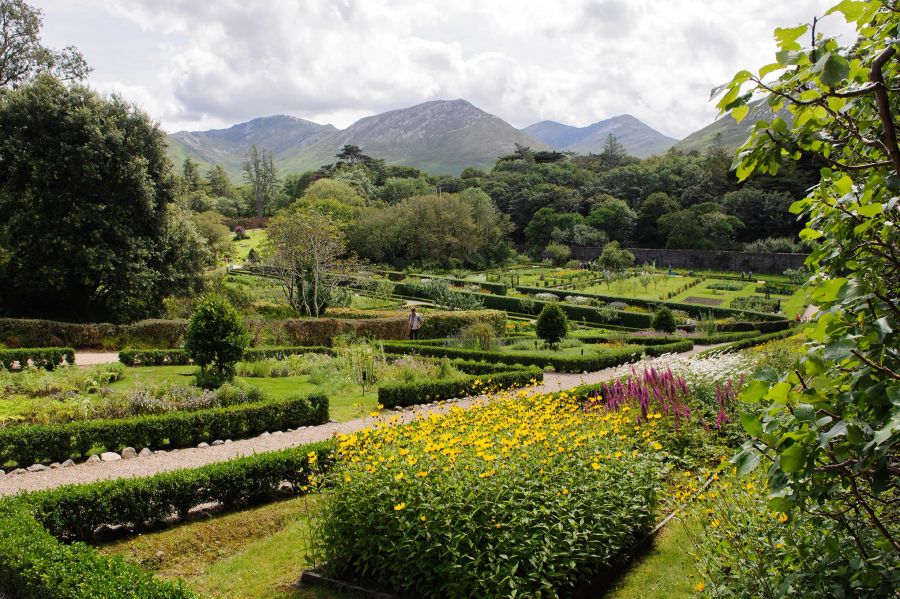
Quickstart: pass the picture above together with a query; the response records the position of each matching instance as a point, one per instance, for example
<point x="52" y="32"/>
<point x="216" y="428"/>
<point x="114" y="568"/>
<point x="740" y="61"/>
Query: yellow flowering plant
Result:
<point x="515" y="497"/>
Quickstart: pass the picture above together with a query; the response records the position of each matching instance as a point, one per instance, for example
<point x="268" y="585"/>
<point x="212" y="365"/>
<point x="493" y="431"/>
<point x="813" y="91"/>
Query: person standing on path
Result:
<point x="414" y="324"/>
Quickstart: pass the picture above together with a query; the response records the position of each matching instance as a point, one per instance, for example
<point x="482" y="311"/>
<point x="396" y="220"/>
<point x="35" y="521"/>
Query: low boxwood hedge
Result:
<point x="409" y="394"/>
<point x="605" y="359"/>
<point x="178" y="357"/>
<point x="693" y="309"/>
<point x="531" y="307"/>
<point x="33" y="443"/>
<point x="750" y="342"/>
<point x="35" y="564"/>
<point x="75" y="512"/>
<point x="42" y="357"/>
<point x="665" y="339"/>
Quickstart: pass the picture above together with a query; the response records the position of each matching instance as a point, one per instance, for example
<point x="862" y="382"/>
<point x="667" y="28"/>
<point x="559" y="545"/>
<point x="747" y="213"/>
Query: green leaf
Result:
<point x="805" y="413"/>
<point x="832" y="68"/>
<point x="844" y="185"/>
<point x="827" y="291"/>
<point x="839" y="349"/>
<point x="791" y="57"/>
<point x="779" y="392"/>
<point x="851" y="9"/>
<point x="869" y="210"/>
<point x="740" y="113"/>
<point x="754" y="391"/>
<point x="752" y="425"/>
<point x="787" y="37"/>
<point x="746" y="461"/>
<point x="793" y="458"/>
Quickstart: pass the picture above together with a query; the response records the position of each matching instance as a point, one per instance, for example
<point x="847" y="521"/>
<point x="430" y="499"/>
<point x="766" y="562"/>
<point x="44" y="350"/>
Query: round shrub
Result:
<point x="664" y="320"/>
<point x="215" y="340"/>
<point x="552" y="324"/>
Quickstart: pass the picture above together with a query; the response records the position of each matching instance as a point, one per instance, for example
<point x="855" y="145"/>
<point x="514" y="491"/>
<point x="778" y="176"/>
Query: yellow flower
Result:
<point x="423" y="517"/>
<point x="400" y="506"/>
<point x="782" y="517"/>
<point x="715" y="523"/>
<point x="399" y="476"/>
<point x="699" y="587"/>
<point x="565" y="491"/>
<point x="422" y="473"/>
<point x="595" y="465"/>
<point x="657" y="446"/>
<point x="779" y="545"/>
<point x="312" y="457"/>
<point x="347" y="478"/>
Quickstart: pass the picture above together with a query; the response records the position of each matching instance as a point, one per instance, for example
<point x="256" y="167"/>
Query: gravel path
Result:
<point x="93" y="358"/>
<point x="195" y="457"/>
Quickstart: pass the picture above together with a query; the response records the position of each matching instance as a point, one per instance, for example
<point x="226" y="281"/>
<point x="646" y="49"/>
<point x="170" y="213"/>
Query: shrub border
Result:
<point x="47" y="358"/>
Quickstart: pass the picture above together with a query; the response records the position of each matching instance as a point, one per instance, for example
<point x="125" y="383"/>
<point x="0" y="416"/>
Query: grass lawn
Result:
<point x="255" y="553"/>
<point x="665" y="570"/>
<point x="658" y="286"/>
<point x="255" y="239"/>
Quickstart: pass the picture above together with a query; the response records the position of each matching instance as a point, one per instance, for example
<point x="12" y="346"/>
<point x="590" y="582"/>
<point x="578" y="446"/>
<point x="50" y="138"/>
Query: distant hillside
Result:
<point x="733" y="134"/>
<point x="639" y="139"/>
<point x="440" y="137"/>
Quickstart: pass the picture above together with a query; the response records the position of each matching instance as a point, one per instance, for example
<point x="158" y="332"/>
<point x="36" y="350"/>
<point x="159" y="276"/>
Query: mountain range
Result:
<point x="439" y="137"/>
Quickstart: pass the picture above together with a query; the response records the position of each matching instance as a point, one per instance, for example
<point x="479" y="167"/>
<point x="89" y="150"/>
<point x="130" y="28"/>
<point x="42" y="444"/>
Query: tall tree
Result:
<point x="219" y="183"/>
<point x="86" y="193"/>
<point x="307" y="249"/>
<point x="190" y="172"/>
<point x="259" y="171"/>
<point x="22" y="55"/>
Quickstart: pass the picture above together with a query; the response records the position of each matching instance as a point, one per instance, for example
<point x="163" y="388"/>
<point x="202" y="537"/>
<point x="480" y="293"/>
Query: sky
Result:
<point x="202" y="64"/>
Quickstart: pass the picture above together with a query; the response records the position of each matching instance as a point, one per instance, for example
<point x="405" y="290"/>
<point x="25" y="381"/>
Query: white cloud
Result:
<point x="203" y="64"/>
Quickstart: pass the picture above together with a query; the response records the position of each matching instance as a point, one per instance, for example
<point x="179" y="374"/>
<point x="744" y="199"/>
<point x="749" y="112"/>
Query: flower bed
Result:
<point x="520" y="497"/>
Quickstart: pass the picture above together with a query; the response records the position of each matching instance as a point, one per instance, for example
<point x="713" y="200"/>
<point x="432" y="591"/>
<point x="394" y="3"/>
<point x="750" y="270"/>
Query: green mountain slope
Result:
<point x="733" y="134"/>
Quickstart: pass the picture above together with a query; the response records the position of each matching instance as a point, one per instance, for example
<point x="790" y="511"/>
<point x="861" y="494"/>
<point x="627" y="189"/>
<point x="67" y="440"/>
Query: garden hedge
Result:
<point x="34" y="565"/>
<point x="530" y="307"/>
<point x="75" y="512"/>
<point x="751" y="342"/>
<point x="607" y="358"/>
<point x="32" y="443"/>
<point x="664" y="339"/>
<point x="408" y="394"/>
<point x="694" y="310"/>
<point x="763" y="327"/>
<point x="26" y="332"/>
<point x="41" y="357"/>
<point x="178" y="357"/>
<point x="495" y="288"/>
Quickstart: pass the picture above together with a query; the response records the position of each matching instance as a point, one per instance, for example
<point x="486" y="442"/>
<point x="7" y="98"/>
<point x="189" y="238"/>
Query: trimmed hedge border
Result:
<point x="34" y="443"/>
<point x="751" y="342"/>
<point x="612" y="357"/>
<point x="75" y="512"/>
<point x="635" y="320"/>
<point x="763" y="327"/>
<point x="35" y="564"/>
<point x="691" y="309"/>
<point x="178" y="357"/>
<point x="409" y="394"/>
<point x="47" y="358"/>
<point x="664" y="339"/>
<point x="25" y="332"/>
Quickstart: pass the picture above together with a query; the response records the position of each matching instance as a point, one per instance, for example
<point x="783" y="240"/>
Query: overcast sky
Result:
<point x="200" y="64"/>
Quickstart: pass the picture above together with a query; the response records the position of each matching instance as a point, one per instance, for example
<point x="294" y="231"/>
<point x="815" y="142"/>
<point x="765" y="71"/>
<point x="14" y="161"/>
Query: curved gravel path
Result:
<point x="194" y="457"/>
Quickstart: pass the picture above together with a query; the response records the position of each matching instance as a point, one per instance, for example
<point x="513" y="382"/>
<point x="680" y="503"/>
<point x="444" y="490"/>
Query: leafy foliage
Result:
<point x="664" y="320"/>
<point x="552" y="324"/>
<point x="215" y="340"/>
<point x="831" y="426"/>
<point x="89" y="232"/>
